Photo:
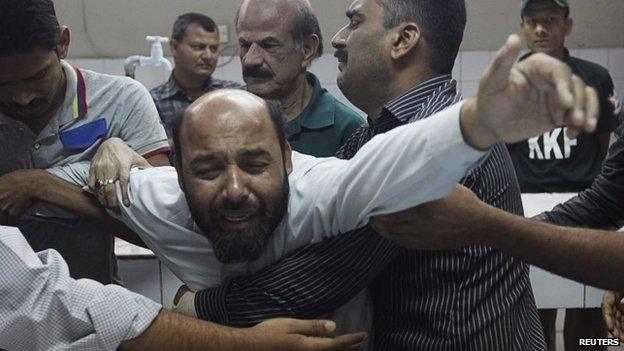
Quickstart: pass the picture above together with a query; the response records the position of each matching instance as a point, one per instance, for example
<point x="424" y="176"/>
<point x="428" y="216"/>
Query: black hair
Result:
<point x="305" y="23"/>
<point x="26" y="25"/>
<point x="275" y="112"/>
<point x="442" y="23"/>
<point x="185" y="20"/>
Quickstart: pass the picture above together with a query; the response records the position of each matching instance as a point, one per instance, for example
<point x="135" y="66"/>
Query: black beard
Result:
<point x="236" y="246"/>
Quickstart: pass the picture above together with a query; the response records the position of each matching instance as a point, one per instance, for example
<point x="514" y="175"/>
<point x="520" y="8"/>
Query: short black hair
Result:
<point x="442" y="23"/>
<point x="277" y="118"/>
<point x="26" y="25"/>
<point x="305" y="23"/>
<point x="185" y="20"/>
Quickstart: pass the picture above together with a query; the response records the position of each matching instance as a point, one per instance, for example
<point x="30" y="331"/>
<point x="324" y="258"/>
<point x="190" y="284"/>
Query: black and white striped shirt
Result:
<point x="474" y="298"/>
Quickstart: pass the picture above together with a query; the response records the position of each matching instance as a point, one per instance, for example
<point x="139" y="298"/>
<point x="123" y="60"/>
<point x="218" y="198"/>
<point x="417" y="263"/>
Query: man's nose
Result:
<point x="235" y="190"/>
<point x="22" y="95"/>
<point x="252" y="57"/>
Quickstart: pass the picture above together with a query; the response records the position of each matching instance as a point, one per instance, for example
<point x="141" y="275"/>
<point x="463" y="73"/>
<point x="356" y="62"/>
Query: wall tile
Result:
<point x="473" y="63"/>
<point x="457" y="67"/>
<point x="325" y="68"/>
<point x="599" y="56"/>
<point x="619" y="88"/>
<point x="616" y="63"/>
<point x="469" y="88"/>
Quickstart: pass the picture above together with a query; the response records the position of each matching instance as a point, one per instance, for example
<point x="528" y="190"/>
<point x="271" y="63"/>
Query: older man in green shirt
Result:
<point x="278" y="42"/>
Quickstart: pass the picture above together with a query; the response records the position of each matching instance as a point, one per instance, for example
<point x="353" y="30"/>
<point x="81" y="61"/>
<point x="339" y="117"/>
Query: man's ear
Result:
<point x="288" y="158"/>
<point x="62" y="47"/>
<point x="178" y="167"/>
<point x="569" y="23"/>
<point x="173" y="46"/>
<point x="310" y="48"/>
<point x="405" y="39"/>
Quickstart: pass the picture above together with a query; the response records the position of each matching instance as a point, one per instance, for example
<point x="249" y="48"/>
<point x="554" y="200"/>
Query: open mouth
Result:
<point x="234" y="221"/>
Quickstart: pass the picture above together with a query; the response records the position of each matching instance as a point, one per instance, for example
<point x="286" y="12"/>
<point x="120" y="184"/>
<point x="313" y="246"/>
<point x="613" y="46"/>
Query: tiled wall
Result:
<point x="468" y="69"/>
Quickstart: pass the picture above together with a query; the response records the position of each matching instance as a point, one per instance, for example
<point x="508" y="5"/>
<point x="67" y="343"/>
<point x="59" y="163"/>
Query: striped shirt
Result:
<point x="473" y="298"/>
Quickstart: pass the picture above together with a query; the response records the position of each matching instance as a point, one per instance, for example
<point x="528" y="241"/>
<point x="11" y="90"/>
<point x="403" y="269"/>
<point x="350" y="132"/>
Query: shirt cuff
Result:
<point x="446" y="135"/>
<point x="210" y="305"/>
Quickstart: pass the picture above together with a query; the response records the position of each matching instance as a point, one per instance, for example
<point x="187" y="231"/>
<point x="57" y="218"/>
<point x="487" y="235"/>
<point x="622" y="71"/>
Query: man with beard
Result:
<point x="227" y="209"/>
<point x="194" y="45"/>
<point x="53" y="117"/>
<point x="278" y="42"/>
<point x="395" y="61"/>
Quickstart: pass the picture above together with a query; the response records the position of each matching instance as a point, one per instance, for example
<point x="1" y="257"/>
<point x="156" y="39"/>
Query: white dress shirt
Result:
<point x="42" y="308"/>
<point x="328" y="196"/>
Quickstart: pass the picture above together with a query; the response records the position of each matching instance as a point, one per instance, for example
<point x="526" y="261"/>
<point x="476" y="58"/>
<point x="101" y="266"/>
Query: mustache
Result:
<point x="341" y="55"/>
<point x="257" y="72"/>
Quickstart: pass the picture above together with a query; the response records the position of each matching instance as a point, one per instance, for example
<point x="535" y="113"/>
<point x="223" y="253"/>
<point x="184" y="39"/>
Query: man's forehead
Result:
<point x="196" y="32"/>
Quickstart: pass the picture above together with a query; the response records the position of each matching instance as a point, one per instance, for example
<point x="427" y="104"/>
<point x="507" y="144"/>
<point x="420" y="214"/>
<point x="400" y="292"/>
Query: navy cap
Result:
<point x="561" y="3"/>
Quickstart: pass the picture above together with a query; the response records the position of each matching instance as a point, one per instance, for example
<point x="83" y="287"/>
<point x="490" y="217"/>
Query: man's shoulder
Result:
<point x="165" y="176"/>
<point x="96" y="79"/>
<point x="158" y="91"/>
<point x="590" y="68"/>
<point x="224" y="84"/>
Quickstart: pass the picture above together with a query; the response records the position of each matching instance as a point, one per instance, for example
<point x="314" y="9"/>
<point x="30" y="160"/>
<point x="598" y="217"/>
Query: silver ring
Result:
<point x="99" y="183"/>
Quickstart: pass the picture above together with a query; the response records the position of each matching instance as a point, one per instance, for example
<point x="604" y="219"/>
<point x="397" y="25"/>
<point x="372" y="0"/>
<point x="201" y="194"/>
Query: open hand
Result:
<point x="519" y="100"/>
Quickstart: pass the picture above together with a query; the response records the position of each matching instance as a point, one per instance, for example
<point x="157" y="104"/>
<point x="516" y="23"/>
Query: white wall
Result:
<point x="117" y="28"/>
<point x="468" y="69"/>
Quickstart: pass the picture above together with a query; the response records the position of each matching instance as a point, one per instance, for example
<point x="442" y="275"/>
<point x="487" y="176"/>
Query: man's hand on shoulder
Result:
<point x="113" y="162"/>
<point x="518" y="100"/>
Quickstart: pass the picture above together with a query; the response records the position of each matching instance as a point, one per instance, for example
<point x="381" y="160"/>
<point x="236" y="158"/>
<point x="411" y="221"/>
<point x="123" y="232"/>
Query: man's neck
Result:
<point x="191" y="86"/>
<point x="295" y="102"/>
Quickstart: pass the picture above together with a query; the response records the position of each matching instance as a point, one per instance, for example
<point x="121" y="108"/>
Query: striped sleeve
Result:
<point x="309" y="283"/>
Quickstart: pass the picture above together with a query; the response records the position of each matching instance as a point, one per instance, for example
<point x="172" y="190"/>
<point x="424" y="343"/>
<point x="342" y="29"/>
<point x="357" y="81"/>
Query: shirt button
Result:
<point x="21" y="129"/>
<point x="37" y="146"/>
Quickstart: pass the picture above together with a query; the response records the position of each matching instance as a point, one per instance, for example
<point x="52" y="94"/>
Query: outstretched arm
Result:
<point x="592" y="257"/>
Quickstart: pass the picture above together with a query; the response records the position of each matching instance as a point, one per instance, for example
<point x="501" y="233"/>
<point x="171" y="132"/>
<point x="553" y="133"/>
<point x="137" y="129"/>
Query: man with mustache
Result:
<point x="552" y="162"/>
<point x="194" y="45"/>
<point x="52" y="118"/>
<point x="278" y="42"/>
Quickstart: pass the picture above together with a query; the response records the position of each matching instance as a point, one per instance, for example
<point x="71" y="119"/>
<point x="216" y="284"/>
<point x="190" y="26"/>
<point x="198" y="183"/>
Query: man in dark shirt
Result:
<point x="473" y="298"/>
<point x="552" y="162"/>
<point x="194" y="45"/>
